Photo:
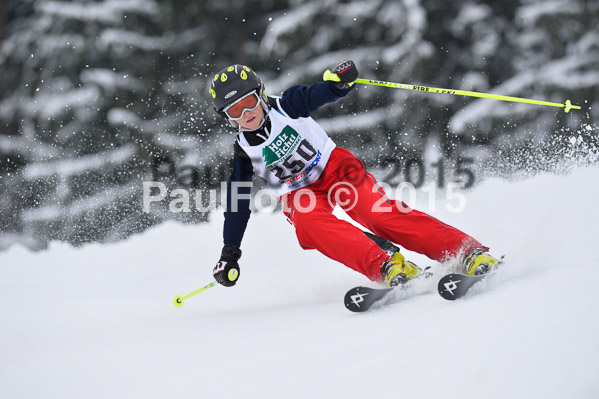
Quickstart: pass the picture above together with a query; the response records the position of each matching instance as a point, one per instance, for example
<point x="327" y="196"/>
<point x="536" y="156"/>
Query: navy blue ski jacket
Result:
<point x="297" y="102"/>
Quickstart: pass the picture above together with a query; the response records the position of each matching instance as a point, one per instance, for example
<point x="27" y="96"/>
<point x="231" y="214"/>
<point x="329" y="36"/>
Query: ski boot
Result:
<point x="397" y="270"/>
<point x="477" y="262"/>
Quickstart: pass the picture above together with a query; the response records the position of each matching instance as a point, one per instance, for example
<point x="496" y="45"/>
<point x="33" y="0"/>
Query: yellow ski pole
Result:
<point x="567" y="105"/>
<point x="178" y="300"/>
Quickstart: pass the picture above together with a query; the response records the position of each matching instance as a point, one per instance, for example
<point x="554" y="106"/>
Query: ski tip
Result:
<point x="448" y="285"/>
<point x="360" y="299"/>
<point x="355" y="300"/>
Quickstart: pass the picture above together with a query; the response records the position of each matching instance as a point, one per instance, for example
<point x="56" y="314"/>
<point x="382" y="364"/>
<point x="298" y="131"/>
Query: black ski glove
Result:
<point x="226" y="271"/>
<point x="344" y="74"/>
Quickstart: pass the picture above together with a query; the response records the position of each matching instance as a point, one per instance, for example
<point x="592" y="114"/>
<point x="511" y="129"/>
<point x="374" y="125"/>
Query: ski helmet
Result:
<point x="232" y="83"/>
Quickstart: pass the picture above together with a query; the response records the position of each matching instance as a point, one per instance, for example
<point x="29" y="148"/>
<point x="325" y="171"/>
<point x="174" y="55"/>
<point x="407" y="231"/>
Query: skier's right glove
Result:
<point x="226" y="271"/>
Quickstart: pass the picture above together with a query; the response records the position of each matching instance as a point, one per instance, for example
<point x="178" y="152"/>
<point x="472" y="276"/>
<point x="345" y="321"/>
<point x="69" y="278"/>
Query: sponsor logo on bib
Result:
<point x="281" y="147"/>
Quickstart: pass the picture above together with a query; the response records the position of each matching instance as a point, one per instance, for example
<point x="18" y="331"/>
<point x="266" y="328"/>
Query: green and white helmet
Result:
<point x="232" y="83"/>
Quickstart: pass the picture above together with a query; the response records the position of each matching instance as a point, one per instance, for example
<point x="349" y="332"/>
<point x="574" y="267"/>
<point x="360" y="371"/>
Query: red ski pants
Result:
<point x="346" y="183"/>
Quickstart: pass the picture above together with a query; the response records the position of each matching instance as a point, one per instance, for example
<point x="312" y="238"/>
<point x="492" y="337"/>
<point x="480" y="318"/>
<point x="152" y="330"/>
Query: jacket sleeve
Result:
<point x="236" y="220"/>
<point x="301" y="101"/>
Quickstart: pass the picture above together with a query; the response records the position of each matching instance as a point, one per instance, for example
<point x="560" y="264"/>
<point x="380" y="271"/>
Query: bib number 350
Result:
<point x="292" y="165"/>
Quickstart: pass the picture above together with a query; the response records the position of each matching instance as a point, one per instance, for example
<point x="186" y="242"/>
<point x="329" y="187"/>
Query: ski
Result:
<point x="456" y="285"/>
<point x="361" y="299"/>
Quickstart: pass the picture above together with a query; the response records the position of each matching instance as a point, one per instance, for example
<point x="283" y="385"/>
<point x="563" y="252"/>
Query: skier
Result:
<point x="278" y="140"/>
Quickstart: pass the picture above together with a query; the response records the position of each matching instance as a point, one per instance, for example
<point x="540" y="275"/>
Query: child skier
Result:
<point x="278" y="140"/>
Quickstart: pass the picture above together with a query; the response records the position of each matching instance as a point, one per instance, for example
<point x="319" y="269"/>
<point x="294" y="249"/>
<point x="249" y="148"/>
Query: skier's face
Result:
<point x="251" y="120"/>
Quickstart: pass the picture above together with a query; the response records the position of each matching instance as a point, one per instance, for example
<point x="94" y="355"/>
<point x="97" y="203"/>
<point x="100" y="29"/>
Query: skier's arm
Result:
<point x="236" y="220"/>
<point x="226" y="271"/>
<point x="301" y="101"/>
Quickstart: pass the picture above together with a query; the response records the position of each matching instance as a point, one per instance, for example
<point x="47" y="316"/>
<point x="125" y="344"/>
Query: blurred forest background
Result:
<point x="97" y="97"/>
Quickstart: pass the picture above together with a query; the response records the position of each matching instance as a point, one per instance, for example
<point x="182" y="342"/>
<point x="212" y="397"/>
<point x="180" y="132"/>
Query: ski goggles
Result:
<point x="249" y="102"/>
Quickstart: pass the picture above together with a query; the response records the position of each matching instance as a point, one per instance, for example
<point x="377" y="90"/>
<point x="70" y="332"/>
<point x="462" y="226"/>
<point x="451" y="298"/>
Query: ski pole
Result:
<point x="178" y="300"/>
<point x="567" y="105"/>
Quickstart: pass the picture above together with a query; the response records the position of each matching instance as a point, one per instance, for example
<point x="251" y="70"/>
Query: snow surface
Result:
<point x="98" y="321"/>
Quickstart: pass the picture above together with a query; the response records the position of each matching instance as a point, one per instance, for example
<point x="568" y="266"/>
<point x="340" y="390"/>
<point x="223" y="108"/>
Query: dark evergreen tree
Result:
<point x="98" y="96"/>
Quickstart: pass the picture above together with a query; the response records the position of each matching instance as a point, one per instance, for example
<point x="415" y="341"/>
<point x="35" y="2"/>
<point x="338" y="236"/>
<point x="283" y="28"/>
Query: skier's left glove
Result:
<point x="226" y="271"/>
<point x="343" y="74"/>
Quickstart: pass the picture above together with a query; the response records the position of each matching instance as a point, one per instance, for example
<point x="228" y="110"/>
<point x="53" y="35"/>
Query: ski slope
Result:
<point x="98" y="321"/>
